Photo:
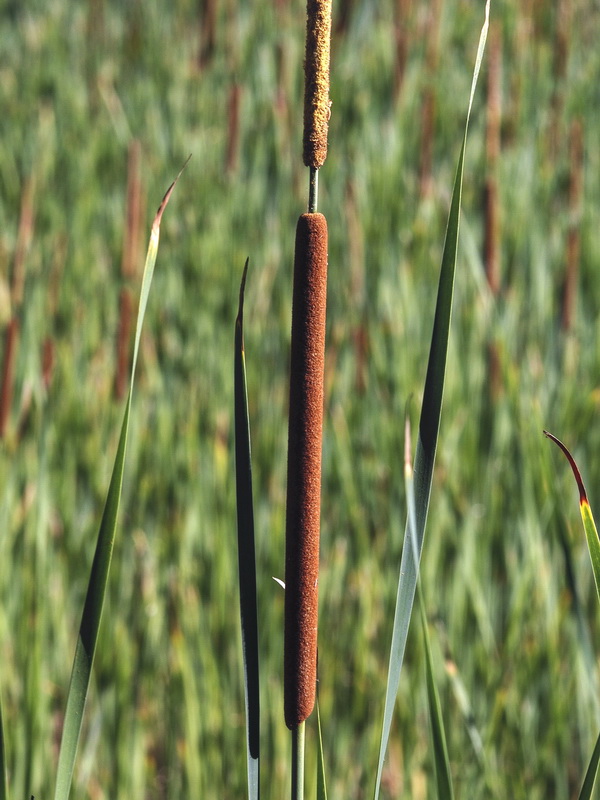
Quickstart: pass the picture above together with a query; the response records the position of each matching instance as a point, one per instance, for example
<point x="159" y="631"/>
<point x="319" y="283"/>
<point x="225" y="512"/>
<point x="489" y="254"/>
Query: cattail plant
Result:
<point x="429" y="100"/>
<point x="208" y="32"/>
<point x="573" y="233"/>
<point x="401" y="39"/>
<point x="131" y="246"/>
<point x="306" y="402"/>
<point x="562" y="38"/>
<point x="491" y="246"/>
<point x="233" y="128"/>
<point x="24" y="236"/>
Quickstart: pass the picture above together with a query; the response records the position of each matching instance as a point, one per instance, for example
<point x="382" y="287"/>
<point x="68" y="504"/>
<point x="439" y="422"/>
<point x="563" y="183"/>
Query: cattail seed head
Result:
<point x="304" y="467"/>
<point x="316" y="82"/>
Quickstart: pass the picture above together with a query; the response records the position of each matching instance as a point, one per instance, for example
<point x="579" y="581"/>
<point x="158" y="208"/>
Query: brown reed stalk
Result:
<point x="24" y="235"/>
<point x="573" y="234"/>
<point x="304" y="466"/>
<point x="562" y="38"/>
<point x="233" y="128"/>
<point x="129" y="260"/>
<point x="208" y="32"/>
<point x="429" y="100"/>
<point x="494" y="111"/>
<point x="8" y="368"/>
<point x="344" y="17"/>
<point x="401" y="39"/>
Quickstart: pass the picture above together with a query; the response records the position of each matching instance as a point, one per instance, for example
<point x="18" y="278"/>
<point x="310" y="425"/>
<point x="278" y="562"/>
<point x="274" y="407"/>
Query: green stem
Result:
<point x="298" y="762"/>
<point x="313" y="191"/>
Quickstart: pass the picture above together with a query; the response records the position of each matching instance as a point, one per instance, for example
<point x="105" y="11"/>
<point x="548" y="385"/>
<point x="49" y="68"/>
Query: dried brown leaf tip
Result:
<point x="316" y="82"/>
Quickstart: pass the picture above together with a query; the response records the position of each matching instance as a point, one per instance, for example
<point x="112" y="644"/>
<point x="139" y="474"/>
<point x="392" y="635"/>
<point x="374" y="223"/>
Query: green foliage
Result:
<point x="246" y="554"/>
<point x="165" y="711"/>
<point x="94" y="601"/>
<point x="429" y="426"/>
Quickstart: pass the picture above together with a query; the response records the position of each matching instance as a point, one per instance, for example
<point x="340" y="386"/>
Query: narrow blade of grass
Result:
<point x="428" y="430"/>
<point x="593" y="543"/>
<point x="438" y="734"/>
<point x="321" y="782"/>
<point x="3" y="772"/>
<point x="592" y="772"/>
<point x="440" y="749"/>
<point x="94" y="601"/>
<point x="589" y="526"/>
<point x="246" y="552"/>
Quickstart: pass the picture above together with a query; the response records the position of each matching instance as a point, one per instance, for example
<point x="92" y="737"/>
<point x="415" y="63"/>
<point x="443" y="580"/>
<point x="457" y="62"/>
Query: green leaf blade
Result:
<point x="246" y="552"/>
<point x="589" y="525"/>
<point x="428" y="430"/>
<point x="321" y="782"/>
<point x="3" y="765"/>
<point x="591" y="773"/>
<point x="92" y="613"/>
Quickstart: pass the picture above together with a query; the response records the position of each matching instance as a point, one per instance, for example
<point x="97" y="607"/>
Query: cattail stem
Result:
<point x="313" y="191"/>
<point x="298" y="762"/>
<point x="304" y="467"/>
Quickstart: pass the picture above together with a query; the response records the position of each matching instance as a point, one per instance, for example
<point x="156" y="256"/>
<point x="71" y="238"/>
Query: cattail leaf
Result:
<point x="3" y="770"/>
<point x="441" y="761"/>
<point x="428" y="431"/>
<point x="440" y="750"/>
<point x="94" y="601"/>
<point x="246" y="552"/>
<point x="321" y="782"/>
<point x="591" y="774"/>
<point x="593" y="543"/>
<point x="589" y="526"/>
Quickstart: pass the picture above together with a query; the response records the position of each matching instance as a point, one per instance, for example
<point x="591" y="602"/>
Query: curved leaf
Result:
<point x="428" y="431"/>
<point x="94" y="601"/>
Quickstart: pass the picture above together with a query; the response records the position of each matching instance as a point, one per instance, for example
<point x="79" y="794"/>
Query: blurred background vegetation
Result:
<point x="101" y="102"/>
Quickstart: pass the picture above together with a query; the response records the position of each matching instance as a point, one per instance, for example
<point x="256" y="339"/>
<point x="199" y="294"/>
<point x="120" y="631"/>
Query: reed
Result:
<point x="17" y="284"/>
<point x="574" y="207"/>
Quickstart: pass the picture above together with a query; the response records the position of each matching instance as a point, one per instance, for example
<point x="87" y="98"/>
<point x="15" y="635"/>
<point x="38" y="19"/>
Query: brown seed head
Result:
<point x="316" y="82"/>
<point x="304" y="467"/>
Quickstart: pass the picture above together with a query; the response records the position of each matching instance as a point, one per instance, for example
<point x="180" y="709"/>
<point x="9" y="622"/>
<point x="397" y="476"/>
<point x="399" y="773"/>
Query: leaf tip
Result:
<point x="583" y="500"/>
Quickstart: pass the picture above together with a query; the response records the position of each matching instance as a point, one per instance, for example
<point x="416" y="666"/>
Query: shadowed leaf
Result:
<point x="246" y="552"/>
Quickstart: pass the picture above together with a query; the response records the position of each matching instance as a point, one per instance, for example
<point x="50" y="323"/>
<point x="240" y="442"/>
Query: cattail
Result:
<point x="401" y="38"/>
<point x="233" y="128"/>
<point x="304" y="467"/>
<point x="131" y="246"/>
<point x="492" y="229"/>
<point x="562" y="38"/>
<point x="208" y="32"/>
<point x="573" y="235"/>
<point x="24" y="236"/>
<point x="429" y="100"/>
<point x="316" y="82"/>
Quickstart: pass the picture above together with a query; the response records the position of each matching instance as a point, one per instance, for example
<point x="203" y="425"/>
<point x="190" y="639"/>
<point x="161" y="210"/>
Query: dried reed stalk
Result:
<point x="573" y="234"/>
<point x="24" y="236"/>
<point x="233" y="128"/>
<point x="401" y="39"/>
<point x="494" y="111"/>
<point x="129" y="261"/>
<point x="429" y="99"/>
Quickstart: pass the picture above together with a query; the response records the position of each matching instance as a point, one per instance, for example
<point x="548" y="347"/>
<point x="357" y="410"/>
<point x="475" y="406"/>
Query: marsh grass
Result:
<point x="70" y="107"/>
